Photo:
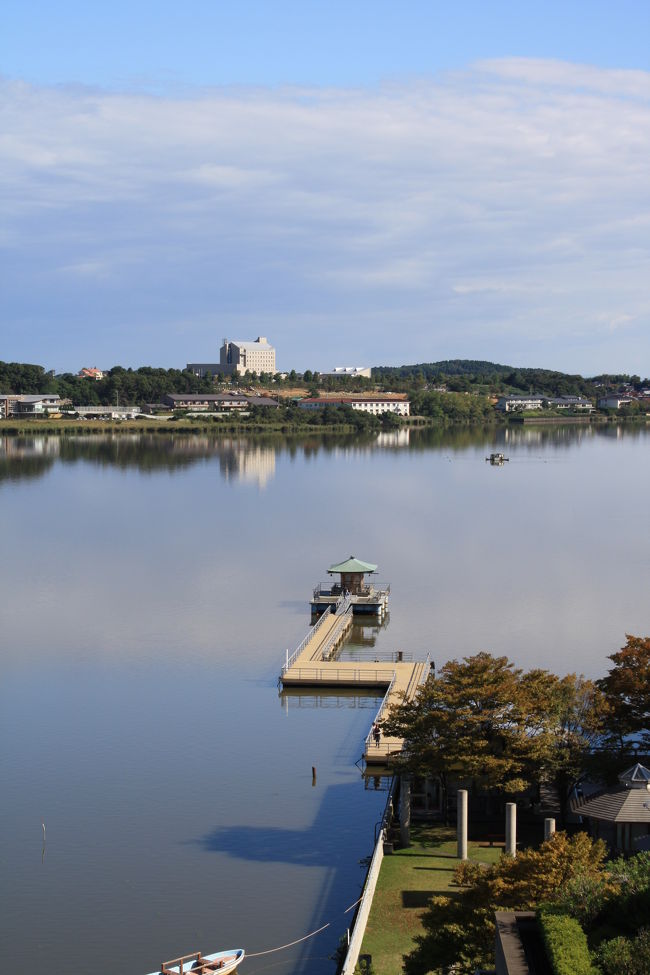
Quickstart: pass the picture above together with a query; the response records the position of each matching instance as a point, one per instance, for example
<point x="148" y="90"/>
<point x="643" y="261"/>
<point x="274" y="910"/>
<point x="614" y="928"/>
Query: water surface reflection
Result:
<point x="149" y="589"/>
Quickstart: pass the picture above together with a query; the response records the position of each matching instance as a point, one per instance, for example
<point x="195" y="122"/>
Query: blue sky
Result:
<point x="362" y="182"/>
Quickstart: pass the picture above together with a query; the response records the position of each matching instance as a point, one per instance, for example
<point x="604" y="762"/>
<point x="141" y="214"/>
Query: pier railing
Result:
<point x="303" y="643"/>
<point x="365" y="676"/>
<point x="415" y="681"/>
<point x="382" y="711"/>
<point x="334" y="638"/>
<point x="327" y="589"/>
<point x="343" y="605"/>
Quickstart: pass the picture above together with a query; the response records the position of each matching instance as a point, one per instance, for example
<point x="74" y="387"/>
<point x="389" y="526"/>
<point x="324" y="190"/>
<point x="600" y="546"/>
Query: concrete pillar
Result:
<point x="511" y="829"/>
<point x="549" y="828"/>
<point x="405" y="810"/>
<point x="461" y="824"/>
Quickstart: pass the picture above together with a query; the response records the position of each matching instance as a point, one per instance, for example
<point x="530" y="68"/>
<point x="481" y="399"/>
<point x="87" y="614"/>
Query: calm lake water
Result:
<point x="148" y="590"/>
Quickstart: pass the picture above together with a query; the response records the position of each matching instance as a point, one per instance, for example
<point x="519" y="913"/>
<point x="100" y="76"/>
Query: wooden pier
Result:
<point x="311" y="666"/>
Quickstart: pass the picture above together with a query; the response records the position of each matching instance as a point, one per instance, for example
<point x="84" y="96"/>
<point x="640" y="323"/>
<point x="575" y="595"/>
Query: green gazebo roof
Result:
<point x="353" y="565"/>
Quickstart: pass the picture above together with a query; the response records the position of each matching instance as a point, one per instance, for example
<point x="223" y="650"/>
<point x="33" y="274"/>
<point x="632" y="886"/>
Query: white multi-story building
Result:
<point x="239" y="357"/>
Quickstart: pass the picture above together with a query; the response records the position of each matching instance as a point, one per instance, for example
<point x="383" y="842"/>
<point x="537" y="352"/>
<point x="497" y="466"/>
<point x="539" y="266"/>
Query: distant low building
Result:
<point x="613" y="402"/>
<point x="202" y="402"/>
<point x="509" y="404"/>
<point x="94" y="412"/>
<point x="568" y="403"/>
<point x="352" y="371"/>
<point x="375" y="405"/>
<point x="239" y="357"/>
<point x="38" y="404"/>
<point x="91" y="372"/>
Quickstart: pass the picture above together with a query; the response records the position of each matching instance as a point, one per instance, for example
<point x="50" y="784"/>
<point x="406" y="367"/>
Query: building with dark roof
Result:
<point x="621" y="816"/>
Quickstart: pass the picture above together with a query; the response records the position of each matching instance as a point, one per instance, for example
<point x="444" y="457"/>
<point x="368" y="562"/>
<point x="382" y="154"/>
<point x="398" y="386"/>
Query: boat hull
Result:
<point x="229" y="959"/>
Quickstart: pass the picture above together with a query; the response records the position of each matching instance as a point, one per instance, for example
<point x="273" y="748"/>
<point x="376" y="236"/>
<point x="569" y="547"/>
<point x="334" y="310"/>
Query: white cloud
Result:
<point x="508" y="204"/>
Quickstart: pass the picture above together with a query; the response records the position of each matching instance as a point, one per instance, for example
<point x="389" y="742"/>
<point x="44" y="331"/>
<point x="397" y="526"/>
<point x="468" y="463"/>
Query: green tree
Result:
<point x="627" y="692"/>
<point x="459" y="928"/>
<point x="626" y="956"/>
<point x="482" y="719"/>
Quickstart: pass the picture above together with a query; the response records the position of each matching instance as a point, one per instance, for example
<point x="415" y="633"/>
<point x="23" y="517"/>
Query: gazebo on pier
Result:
<point x="352" y="572"/>
<point x="364" y="597"/>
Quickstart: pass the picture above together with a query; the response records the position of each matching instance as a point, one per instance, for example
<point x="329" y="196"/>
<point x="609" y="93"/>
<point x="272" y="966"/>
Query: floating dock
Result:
<point x="313" y="664"/>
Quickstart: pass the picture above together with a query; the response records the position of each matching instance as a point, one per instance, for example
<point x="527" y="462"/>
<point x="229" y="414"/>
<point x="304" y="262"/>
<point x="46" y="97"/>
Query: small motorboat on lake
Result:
<point x="497" y="459"/>
<point x="221" y="962"/>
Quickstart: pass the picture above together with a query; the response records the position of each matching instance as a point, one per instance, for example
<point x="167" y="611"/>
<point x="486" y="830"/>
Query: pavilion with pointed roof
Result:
<point x="352" y="586"/>
<point x="621" y="816"/>
<point x="352" y="572"/>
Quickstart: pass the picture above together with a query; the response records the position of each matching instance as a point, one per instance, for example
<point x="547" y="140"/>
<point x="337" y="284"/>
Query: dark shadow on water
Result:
<point x="270" y="845"/>
<point x="314" y="846"/>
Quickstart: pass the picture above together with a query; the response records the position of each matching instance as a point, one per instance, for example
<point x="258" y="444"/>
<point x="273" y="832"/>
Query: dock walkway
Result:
<point x="311" y="666"/>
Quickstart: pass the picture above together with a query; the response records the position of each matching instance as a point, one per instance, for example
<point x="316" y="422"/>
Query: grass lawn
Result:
<point x="406" y="881"/>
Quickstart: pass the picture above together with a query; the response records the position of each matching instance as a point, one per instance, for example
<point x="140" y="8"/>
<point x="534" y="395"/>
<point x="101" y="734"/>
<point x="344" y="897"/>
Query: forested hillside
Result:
<point x="148" y="384"/>
<point x="467" y="375"/>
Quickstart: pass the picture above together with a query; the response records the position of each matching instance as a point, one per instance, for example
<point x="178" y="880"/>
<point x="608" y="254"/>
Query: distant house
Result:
<point x="91" y="372"/>
<point x="614" y="401"/>
<point x="509" y="404"/>
<point x="375" y="405"/>
<point x="39" y="404"/>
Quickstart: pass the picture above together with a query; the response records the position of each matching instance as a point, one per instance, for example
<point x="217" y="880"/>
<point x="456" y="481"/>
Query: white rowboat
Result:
<point x="221" y="962"/>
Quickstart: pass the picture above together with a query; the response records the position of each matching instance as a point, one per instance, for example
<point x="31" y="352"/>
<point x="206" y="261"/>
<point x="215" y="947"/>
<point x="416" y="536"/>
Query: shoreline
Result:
<point x="218" y="427"/>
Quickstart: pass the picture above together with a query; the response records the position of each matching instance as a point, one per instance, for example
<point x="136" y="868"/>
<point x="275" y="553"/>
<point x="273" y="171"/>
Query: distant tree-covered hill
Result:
<point x="446" y="367"/>
<point x="468" y="375"/>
